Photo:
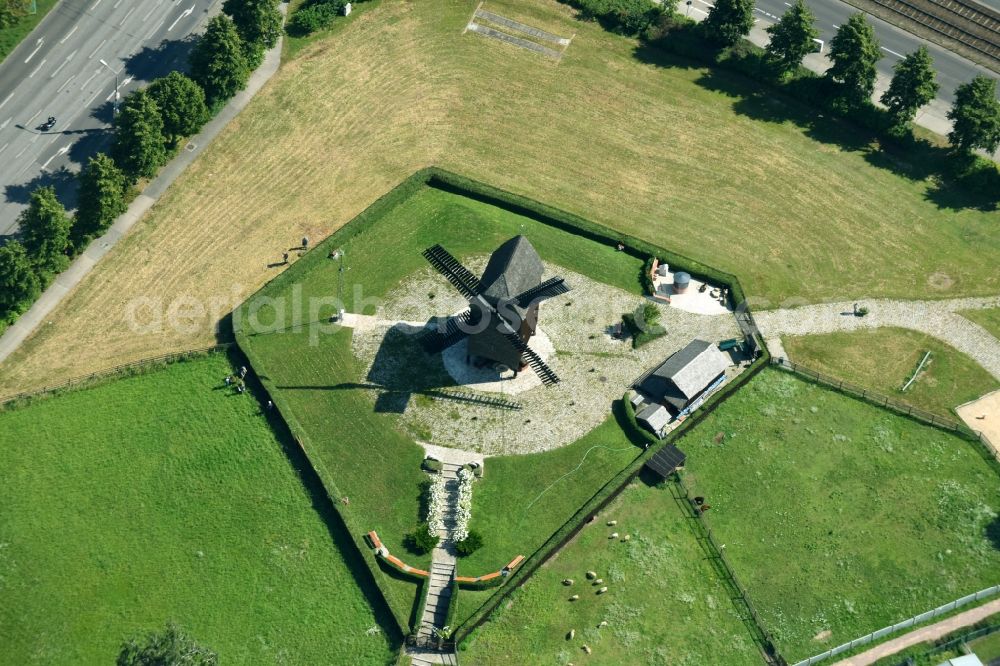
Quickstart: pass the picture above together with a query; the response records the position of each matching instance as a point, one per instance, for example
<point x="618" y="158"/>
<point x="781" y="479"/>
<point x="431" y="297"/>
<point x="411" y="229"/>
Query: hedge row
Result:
<point x="420" y="605"/>
<point x="574" y="224"/>
<point x="449" y="618"/>
<point x="626" y="17"/>
<point x="601" y="498"/>
<point x="632" y="425"/>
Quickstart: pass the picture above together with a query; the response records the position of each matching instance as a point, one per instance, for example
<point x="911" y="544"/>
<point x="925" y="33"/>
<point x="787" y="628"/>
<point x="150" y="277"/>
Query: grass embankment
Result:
<point x="839" y="517"/>
<point x="11" y="36"/>
<point x="988" y="319"/>
<point x="884" y="359"/>
<point x="682" y="163"/>
<point x="665" y="603"/>
<point x="164" y="497"/>
<point x="366" y="450"/>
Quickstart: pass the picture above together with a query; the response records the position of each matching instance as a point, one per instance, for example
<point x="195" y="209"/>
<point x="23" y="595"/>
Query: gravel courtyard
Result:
<point x="595" y="369"/>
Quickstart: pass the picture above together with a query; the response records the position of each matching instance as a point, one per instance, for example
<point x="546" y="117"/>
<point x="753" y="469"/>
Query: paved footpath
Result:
<point x="928" y="633"/>
<point x="82" y="265"/>
<point x="939" y="319"/>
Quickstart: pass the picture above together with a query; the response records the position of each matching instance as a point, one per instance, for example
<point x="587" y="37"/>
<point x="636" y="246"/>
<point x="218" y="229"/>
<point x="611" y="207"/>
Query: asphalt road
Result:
<point x="952" y="70"/>
<point x="57" y="72"/>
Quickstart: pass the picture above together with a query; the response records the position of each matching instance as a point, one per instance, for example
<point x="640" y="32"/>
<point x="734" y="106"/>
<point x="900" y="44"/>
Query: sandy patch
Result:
<point x="983" y="415"/>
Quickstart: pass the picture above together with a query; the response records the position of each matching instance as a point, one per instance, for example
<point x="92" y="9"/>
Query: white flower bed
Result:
<point x="464" y="510"/>
<point x="438" y="505"/>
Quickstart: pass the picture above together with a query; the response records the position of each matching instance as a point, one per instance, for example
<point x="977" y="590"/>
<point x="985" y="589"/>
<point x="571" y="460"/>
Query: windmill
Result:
<point x="503" y="306"/>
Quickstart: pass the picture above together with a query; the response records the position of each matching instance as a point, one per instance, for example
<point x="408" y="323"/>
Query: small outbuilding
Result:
<point x="655" y="417"/>
<point x="684" y="376"/>
<point x="682" y="281"/>
<point x="666" y="461"/>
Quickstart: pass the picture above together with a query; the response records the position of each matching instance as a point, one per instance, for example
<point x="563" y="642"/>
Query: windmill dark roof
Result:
<point x="514" y="267"/>
<point x="685" y="374"/>
<point x="666" y="460"/>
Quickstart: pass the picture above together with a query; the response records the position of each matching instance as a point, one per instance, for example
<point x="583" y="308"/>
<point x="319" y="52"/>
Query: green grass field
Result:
<point x="369" y="454"/>
<point x="839" y="516"/>
<point x="664" y="605"/>
<point x="162" y="497"/>
<point x="948" y="379"/>
<point x="988" y="319"/>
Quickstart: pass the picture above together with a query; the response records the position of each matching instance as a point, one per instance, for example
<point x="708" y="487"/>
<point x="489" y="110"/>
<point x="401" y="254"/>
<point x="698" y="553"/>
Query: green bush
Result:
<point x="647" y="277"/>
<point x="431" y="465"/>
<point x="313" y="17"/>
<point x="421" y="540"/>
<point x="642" y="325"/>
<point x="469" y="544"/>
<point x="627" y="17"/>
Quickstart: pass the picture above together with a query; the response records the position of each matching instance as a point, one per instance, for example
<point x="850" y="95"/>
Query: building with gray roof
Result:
<point x="685" y="375"/>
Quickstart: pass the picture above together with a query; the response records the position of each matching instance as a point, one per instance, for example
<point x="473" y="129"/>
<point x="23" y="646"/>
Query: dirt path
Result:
<point x="928" y="633"/>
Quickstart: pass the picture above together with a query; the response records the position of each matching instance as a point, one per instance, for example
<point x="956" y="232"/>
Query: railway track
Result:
<point x="975" y="26"/>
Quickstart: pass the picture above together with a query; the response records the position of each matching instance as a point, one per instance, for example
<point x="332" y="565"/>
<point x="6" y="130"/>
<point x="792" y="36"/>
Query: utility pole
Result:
<point x="117" y="96"/>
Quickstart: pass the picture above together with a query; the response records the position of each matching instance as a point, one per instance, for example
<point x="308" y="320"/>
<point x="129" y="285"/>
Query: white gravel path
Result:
<point x="939" y="319"/>
<point x="594" y="368"/>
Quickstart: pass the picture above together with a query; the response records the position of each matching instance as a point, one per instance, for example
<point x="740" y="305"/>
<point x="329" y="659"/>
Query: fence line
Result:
<point x="889" y="403"/>
<point x="905" y="624"/>
<point x="115" y="370"/>
<point x="764" y="636"/>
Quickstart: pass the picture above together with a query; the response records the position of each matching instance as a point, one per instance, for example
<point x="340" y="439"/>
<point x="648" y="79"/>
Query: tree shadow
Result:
<point x="993" y="533"/>
<point x="813" y="104"/>
<point x="63" y="180"/>
<point x="92" y="142"/>
<point x="152" y="62"/>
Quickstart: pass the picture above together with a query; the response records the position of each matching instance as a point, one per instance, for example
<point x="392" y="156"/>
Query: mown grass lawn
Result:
<point x="161" y="497"/>
<point x="884" y="359"/>
<point x="664" y="604"/>
<point x="663" y="150"/>
<point x="370" y="455"/>
<point x="839" y="516"/>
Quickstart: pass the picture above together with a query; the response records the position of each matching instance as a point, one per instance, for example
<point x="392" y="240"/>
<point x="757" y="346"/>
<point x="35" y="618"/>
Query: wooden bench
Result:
<point x="514" y="562"/>
<point x="373" y="538"/>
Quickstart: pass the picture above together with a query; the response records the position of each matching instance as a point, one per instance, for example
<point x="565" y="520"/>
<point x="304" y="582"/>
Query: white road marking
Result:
<point x="68" y="81"/>
<point x="185" y="13"/>
<point x="6" y="122"/>
<point x="127" y="14"/>
<point x="150" y="12"/>
<point x="88" y="102"/>
<point x="127" y="81"/>
<point x="4" y="147"/>
<point x="94" y="52"/>
<point x="38" y="45"/>
<point x="96" y="72"/>
<point x="94" y="6"/>
<point x="890" y="51"/>
<point x="68" y="34"/>
<point x="28" y="121"/>
<point x="6" y="99"/>
<point x="788" y="4"/>
<point x="23" y="150"/>
<point x="36" y="69"/>
<point x="59" y="68"/>
<point x="116" y="4"/>
<point x="61" y="151"/>
<point x="836" y="26"/>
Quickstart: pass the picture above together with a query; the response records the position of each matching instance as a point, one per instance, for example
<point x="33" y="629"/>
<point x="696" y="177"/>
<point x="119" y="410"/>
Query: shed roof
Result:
<point x="654" y="415"/>
<point x="686" y="374"/>
<point x="513" y="268"/>
<point x="666" y="460"/>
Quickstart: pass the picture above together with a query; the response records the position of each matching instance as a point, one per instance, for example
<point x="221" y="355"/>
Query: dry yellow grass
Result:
<point x="627" y="144"/>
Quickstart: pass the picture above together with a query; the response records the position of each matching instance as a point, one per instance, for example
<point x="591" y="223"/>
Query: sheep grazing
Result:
<point x="574" y="597"/>
<point x="567" y="581"/>
<point x="627" y="537"/>
<point x="612" y="523"/>
<point x="571" y="635"/>
<point x="602" y="590"/>
<point x="591" y="575"/>
<point x="603" y="623"/>
<point x="614" y="535"/>
<point x="599" y="581"/>
<point x="586" y="648"/>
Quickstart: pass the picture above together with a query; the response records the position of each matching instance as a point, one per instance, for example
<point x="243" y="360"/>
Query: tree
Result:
<point x="45" y="230"/>
<point x="912" y="86"/>
<point x="792" y="37"/>
<point x="181" y="102"/>
<point x="10" y="13"/>
<point x="854" y="51"/>
<point x="101" y="197"/>
<point x="729" y="20"/>
<point x="218" y="63"/>
<point x="170" y="647"/>
<point x="138" y="147"/>
<point x="470" y="544"/>
<point x="19" y="282"/>
<point x="421" y="540"/>
<point x="258" y="23"/>
<point x="975" y="116"/>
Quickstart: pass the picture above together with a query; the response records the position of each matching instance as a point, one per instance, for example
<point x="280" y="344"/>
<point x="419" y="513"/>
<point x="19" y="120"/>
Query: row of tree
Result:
<point x="855" y="52"/>
<point x="147" y="131"/>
